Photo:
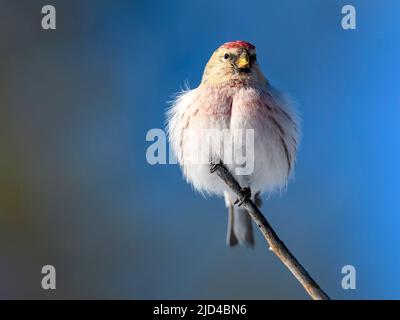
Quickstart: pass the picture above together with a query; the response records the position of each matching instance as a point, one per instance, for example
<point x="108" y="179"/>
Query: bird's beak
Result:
<point x="243" y="61"/>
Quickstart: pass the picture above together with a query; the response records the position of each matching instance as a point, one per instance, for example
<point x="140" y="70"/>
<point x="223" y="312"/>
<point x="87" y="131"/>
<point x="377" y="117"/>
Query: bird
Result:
<point x="233" y="98"/>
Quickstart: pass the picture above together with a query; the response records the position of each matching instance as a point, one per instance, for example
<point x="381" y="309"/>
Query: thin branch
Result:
<point x="275" y="244"/>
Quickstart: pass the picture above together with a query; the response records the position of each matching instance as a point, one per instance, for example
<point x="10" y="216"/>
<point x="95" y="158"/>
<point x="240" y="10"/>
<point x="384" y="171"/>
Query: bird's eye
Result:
<point x="226" y="56"/>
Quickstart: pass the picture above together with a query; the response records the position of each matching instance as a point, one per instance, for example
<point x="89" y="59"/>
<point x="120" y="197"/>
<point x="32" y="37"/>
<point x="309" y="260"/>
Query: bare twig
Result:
<point x="275" y="244"/>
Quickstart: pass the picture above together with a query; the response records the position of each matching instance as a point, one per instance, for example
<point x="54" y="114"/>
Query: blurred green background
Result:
<point x="76" y="191"/>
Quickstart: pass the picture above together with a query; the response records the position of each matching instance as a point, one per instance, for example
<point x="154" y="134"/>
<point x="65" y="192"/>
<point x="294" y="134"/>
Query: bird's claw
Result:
<point x="214" y="166"/>
<point x="244" y="195"/>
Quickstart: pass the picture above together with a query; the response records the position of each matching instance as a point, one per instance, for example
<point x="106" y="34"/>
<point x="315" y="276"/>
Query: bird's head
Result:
<point x="233" y="62"/>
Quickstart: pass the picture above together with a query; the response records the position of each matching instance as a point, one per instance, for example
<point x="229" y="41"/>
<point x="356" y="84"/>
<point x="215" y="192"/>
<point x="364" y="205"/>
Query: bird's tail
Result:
<point x="240" y="227"/>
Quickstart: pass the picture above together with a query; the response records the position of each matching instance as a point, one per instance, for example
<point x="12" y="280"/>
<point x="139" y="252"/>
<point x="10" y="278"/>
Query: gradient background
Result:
<point x="76" y="190"/>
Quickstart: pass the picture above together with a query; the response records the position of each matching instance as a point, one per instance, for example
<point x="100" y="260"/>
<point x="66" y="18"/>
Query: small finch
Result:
<point x="234" y="96"/>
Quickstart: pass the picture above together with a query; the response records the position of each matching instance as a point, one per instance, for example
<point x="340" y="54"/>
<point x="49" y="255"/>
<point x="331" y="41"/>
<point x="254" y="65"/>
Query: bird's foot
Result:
<point x="244" y="195"/>
<point x="214" y="166"/>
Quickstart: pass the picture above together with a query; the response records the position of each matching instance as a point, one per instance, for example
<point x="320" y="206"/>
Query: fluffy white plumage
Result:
<point x="271" y="168"/>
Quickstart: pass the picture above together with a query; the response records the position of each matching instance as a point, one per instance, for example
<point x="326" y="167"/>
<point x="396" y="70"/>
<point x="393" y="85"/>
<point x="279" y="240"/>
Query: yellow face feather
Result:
<point x="233" y="62"/>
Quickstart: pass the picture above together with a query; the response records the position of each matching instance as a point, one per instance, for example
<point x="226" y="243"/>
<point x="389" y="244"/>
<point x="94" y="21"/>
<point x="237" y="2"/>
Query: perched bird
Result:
<point x="234" y="96"/>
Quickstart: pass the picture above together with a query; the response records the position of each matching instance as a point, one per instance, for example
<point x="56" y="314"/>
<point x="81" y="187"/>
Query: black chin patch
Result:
<point x="244" y="70"/>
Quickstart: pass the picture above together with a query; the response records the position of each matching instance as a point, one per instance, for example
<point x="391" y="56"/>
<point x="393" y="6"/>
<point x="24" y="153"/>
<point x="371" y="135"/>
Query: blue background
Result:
<point x="77" y="192"/>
